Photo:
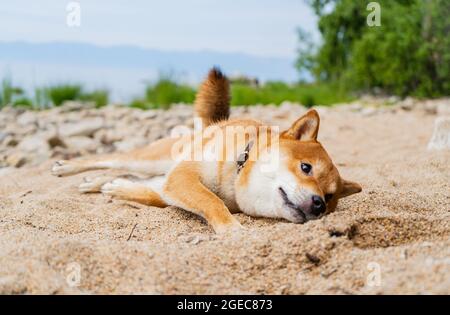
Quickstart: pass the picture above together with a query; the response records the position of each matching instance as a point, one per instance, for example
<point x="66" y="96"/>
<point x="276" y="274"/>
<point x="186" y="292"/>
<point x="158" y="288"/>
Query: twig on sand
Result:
<point x="28" y="192"/>
<point x="131" y="233"/>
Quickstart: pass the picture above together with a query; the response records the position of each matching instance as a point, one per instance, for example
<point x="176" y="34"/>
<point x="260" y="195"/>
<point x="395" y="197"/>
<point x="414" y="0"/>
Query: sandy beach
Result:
<point x="392" y="238"/>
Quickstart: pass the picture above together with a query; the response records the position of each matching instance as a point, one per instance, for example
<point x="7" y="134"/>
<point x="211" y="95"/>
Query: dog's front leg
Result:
<point x="184" y="189"/>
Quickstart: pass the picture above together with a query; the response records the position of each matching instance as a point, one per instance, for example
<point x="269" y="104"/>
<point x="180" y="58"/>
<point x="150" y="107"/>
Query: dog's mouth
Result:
<point x="298" y="211"/>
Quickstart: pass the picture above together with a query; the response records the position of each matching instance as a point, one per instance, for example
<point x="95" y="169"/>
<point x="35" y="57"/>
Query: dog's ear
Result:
<point x="305" y="128"/>
<point x="349" y="188"/>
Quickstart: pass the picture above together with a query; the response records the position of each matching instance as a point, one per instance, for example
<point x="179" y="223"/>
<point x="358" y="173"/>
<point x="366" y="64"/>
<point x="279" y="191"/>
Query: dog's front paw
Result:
<point x="227" y="228"/>
<point x="63" y="168"/>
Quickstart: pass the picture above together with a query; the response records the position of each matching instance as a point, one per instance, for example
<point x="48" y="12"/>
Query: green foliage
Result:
<point x="45" y="97"/>
<point x="409" y="54"/>
<point x="58" y="94"/>
<point x="99" y="97"/>
<point x="306" y="52"/>
<point x="23" y="102"/>
<point x="277" y="92"/>
<point x="8" y="92"/>
<point x="166" y="92"/>
<point x="141" y="104"/>
<point x="41" y="98"/>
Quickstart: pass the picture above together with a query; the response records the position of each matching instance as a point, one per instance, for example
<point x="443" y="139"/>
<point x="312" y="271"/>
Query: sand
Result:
<point x="393" y="238"/>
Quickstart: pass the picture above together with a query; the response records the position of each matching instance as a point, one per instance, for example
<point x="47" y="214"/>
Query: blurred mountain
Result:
<point x="126" y="67"/>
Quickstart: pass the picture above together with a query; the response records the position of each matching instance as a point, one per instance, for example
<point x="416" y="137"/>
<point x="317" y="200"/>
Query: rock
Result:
<point x="16" y="160"/>
<point x="284" y="111"/>
<point x="440" y="139"/>
<point x="27" y="118"/>
<point x="393" y="99"/>
<point x="407" y="104"/>
<point x="70" y="106"/>
<point x="85" y="127"/>
<point x="322" y="110"/>
<point x="436" y="106"/>
<point x="443" y="108"/>
<point x="82" y="144"/>
<point x="173" y="122"/>
<point x="430" y="108"/>
<point x="130" y="144"/>
<point x="10" y="141"/>
<point x="56" y="141"/>
<point x="144" y="115"/>
<point x="34" y="143"/>
<point x="3" y="136"/>
<point x="194" y="240"/>
<point x="368" y="111"/>
<point x="108" y="137"/>
<point x="353" y="107"/>
<point x="6" y="170"/>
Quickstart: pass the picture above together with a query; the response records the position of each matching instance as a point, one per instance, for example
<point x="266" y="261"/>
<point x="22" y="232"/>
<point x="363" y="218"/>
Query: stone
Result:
<point x="85" y="127"/>
<point x="108" y="137"/>
<point x="440" y="140"/>
<point x="130" y="144"/>
<point x="10" y="141"/>
<point x="144" y="115"/>
<point x="26" y="118"/>
<point x="70" y="106"/>
<point x="56" y="141"/>
<point x="81" y="144"/>
<point x="34" y="143"/>
<point x="3" y="136"/>
<point x="16" y="160"/>
<point x="6" y="170"/>
<point x="368" y="111"/>
<point x="443" y="108"/>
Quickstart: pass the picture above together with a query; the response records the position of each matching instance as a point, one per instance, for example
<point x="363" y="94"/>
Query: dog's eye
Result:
<point x="306" y="168"/>
<point x="328" y="197"/>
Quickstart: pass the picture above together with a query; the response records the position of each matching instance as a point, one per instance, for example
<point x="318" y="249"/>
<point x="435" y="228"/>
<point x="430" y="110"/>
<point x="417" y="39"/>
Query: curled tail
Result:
<point x="212" y="102"/>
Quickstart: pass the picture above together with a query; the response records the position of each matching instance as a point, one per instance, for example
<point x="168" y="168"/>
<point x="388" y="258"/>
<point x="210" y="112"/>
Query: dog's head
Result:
<point x="303" y="185"/>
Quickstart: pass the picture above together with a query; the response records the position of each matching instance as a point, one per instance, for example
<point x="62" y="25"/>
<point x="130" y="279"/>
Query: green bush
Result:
<point x="8" y="92"/>
<point x="58" y="94"/>
<point x="45" y="97"/>
<point x="41" y="98"/>
<point x="23" y="102"/>
<point x="278" y="92"/>
<point x="409" y="54"/>
<point x="166" y="92"/>
<point x="99" y="97"/>
<point x="141" y="104"/>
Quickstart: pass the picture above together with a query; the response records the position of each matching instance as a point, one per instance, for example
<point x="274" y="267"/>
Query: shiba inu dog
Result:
<point x="227" y="166"/>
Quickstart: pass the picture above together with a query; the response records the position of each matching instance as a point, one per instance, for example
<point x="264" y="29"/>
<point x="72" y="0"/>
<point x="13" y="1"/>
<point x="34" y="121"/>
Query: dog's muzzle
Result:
<point x="312" y="208"/>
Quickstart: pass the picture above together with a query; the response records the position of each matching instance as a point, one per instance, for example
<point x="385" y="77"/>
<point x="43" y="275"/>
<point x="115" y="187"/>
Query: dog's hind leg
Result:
<point x="153" y="160"/>
<point x="143" y="191"/>
<point x="94" y="184"/>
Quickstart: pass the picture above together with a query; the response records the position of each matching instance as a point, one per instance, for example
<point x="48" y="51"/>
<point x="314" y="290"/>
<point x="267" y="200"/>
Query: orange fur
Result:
<point x="212" y="103"/>
<point x="215" y="189"/>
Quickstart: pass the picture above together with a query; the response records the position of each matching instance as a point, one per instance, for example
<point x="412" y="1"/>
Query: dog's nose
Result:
<point x="318" y="205"/>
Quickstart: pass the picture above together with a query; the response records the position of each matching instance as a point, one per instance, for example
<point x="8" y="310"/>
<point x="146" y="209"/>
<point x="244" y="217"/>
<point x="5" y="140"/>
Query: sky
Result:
<point x="258" y="27"/>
